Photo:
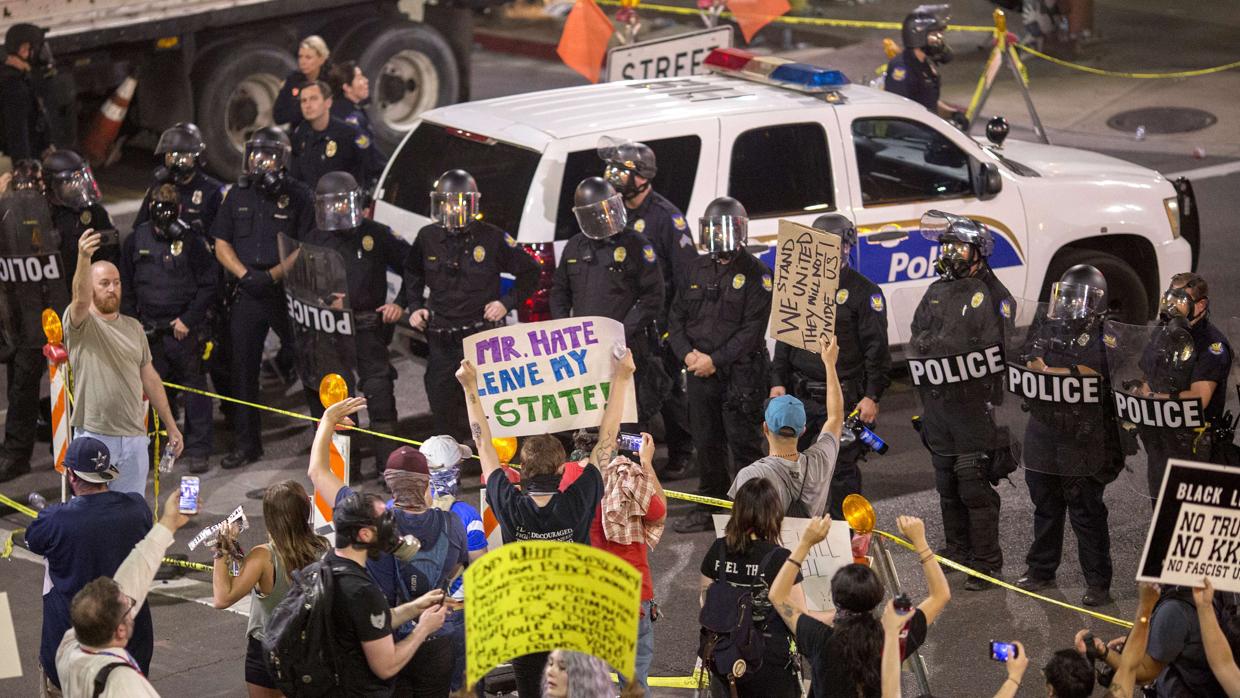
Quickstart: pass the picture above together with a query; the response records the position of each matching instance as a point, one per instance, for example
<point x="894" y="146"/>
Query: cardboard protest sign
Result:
<point x="537" y="596"/>
<point x="1195" y="531"/>
<point x="822" y="562"/>
<point x="543" y="377"/>
<point x="807" y="276"/>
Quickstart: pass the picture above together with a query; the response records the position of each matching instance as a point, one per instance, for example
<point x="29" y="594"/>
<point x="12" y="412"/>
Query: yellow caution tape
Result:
<point x="21" y="508"/>
<point x="802" y="21"/>
<point x="1123" y="74"/>
<point x="8" y="544"/>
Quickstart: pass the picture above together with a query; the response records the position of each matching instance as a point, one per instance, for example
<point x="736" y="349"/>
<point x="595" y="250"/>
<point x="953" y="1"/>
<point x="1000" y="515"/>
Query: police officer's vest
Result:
<point x="163" y="280"/>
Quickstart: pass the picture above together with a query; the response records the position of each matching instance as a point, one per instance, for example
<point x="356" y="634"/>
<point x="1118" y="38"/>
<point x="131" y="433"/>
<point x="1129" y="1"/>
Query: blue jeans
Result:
<point x="645" y="649"/>
<point x="131" y="456"/>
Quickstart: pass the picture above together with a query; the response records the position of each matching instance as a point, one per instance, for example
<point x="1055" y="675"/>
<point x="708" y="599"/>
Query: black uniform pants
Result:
<point x="376" y="380"/>
<point x="847" y="477"/>
<point x="1081" y="499"/>
<point x="180" y="361"/>
<point x="219" y="365"/>
<point x="443" y="391"/>
<point x="24" y="373"/>
<point x="1162" y="445"/>
<point x="725" y="415"/>
<point x="249" y="321"/>
<point x="675" y="410"/>
<point x="970" y="507"/>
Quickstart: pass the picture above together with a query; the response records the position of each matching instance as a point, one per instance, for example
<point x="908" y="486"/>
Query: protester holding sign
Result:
<point x="539" y="511"/>
<point x="717" y="328"/>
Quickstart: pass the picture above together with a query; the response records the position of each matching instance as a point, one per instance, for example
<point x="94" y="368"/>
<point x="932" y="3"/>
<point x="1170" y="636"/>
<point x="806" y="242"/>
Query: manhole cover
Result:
<point x="1162" y="120"/>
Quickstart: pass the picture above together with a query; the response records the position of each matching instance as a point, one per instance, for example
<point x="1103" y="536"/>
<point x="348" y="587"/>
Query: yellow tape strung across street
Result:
<point x="803" y="21"/>
<point x="1123" y="74"/>
<point x="23" y="509"/>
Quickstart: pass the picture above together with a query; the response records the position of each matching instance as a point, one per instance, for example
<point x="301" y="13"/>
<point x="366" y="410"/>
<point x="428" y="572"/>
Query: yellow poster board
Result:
<point x="537" y="596"/>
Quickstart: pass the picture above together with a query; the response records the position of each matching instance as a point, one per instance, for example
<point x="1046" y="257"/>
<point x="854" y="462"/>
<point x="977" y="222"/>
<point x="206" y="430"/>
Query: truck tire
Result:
<point x="240" y="83"/>
<point x="411" y="69"/>
<point x="1127" y="299"/>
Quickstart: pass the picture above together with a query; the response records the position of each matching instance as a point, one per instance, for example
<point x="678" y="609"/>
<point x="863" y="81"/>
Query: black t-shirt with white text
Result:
<point x="565" y="518"/>
<point x="756" y="570"/>
<point x="360" y="613"/>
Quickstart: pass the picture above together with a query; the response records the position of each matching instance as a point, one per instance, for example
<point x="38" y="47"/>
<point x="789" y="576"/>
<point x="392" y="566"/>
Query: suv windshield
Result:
<point x="503" y="172"/>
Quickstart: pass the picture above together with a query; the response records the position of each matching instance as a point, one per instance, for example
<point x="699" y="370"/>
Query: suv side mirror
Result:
<point x="987" y="182"/>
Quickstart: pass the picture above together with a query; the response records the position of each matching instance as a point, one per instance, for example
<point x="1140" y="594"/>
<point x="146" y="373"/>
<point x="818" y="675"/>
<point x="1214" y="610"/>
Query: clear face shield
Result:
<point x="722" y="235"/>
<point x="454" y="210"/>
<point x="338" y="211"/>
<point x="603" y="219"/>
<point x="1074" y="301"/>
<point x="180" y="162"/>
<point x="76" y="189"/>
<point x="937" y="48"/>
<point x="262" y="159"/>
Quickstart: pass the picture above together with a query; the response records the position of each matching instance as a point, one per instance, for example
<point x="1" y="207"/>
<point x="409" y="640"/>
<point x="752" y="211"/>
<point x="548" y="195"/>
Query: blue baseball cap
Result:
<point x="90" y="459"/>
<point x="785" y="415"/>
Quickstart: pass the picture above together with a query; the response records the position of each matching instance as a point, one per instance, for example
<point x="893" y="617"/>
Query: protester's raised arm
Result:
<point x="88" y="244"/>
<point x="1218" y="651"/>
<point x="325" y="482"/>
<point x="1135" y="666"/>
<point x="790" y="606"/>
<point x="479" y="428"/>
<point x="829" y="351"/>
<point x="940" y="593"/>
<point x="609" y="430"/>
<point x="893" y="623"/>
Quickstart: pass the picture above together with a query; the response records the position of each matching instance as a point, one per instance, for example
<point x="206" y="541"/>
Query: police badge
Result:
<point x="85" y="218"/>
<point x="176" y="247"/>
<point x="738" y="281"/>
<point x="282" y="202"/>
<point x="640" y="225"/>
<point x="330" y="150"/>
<point x="197" y="197"/>
<point x="619" y="255"/>
<point x="368" y="243"/>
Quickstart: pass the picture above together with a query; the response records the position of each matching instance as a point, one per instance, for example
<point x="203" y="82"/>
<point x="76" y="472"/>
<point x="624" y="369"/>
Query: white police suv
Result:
<point x="790" y="140"/>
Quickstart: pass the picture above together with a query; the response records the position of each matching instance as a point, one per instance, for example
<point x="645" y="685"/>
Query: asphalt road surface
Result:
<point x="199" y="650"/>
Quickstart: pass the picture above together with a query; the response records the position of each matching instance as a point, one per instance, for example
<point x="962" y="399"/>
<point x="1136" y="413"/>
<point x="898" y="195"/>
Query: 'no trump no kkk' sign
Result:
<point x="544" y="377"/>
<point x="1195" y="532"/>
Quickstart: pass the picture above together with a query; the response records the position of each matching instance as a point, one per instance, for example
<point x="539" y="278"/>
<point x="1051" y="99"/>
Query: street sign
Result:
<point x="673" y="57"/>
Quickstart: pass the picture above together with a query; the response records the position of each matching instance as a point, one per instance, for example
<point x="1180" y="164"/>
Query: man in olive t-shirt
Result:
<point x="112" y="368"/>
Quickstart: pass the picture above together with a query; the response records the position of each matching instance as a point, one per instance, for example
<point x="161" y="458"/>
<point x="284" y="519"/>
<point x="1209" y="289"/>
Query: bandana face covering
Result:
<point x="408" y="489"/>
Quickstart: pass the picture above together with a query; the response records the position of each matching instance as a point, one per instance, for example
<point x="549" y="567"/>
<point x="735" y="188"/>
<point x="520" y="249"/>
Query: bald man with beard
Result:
<point x="111" y="362"/>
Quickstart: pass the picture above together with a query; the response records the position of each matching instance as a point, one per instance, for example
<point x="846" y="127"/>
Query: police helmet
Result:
<point x="723" y="228"/>
<point x="338" y="202"/>
<point x="840" y="225"/>
<point x="19" y="34"/>
<point x="181" y="138"/>
<point x="922" y="22"/>
<point x="267" y="151"/>
<point x="454" y="200"/>
<point x="28" y="175"/>
<point x="1080" y="293"/>
<point x="599" y="209"/>
<point x="69" y="180"/>
<point x="625" y="159"/>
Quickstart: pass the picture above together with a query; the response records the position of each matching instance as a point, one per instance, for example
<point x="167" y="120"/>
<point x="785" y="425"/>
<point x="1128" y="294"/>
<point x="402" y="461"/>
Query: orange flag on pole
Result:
<point x="752" y="15"/>
<point x="584" y="41"/>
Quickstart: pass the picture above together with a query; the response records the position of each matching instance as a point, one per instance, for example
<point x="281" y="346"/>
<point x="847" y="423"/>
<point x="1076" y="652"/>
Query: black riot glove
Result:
<point x="257" y="283"/>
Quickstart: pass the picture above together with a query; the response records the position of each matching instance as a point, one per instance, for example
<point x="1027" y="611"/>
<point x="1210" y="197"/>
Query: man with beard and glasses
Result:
<point x="112" y="369"/>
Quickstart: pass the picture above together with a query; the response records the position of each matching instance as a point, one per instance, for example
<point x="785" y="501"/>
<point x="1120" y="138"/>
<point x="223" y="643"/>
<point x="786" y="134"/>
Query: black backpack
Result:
<point x="730" y="645"/>
<point x="297" y="641"/>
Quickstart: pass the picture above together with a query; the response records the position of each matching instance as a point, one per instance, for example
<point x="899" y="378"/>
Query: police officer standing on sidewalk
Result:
<point x="24" y="120"/>
<point x="74" y="195"/>
<point x="460" y="258"/>
<point x="264" y="203"/>
<point x="1071" y="451"/>
<point x="913" y="73"/>
<point x="322" y="143"/>
<point x="630" y="167"/>
<point x="967" y="309"/>
<point x="612" y="271"/>
<point x="864" y="365"/>
<point x="369" y="250"/>
<point x="718" y="327"/>
<point x="172" y="281"/>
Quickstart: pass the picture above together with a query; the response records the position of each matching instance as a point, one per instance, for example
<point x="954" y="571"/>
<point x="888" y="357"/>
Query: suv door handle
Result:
<point x="887" y="236"/>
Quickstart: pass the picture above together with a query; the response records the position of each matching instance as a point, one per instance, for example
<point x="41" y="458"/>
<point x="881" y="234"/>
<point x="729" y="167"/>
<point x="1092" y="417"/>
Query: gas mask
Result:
<point x="270" y="184"/>
<point x="166" y="225"/>
<point x="389" y="540"/>
<point x="624" y="180"/>
<point x="955" y="260"/>
<point x="1177" y="303"/>
<point x="937" y="49"/>
<point x="181" y="165"/>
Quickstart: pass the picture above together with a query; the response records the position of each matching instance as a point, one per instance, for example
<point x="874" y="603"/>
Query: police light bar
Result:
<point x="772" y="70"/>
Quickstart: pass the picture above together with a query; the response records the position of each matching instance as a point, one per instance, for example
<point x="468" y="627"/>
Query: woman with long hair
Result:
<point x="750" y="556"/>
<point x="845" y="648"/>
<point x="266" y="572"/>
<point x="576" y="675"/>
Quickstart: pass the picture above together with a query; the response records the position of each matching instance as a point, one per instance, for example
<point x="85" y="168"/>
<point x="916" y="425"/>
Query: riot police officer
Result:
<point x="460" y="258"/>
<point x="965" y="310"/>
<point x="1070" y="450"/>
<point x="864" y="364"/>
<point x="718" y="327"/>
<point x="74" y="195"/>
<point x="322" y="143"/>
<point x="609" y="270"/>
<point x="1195" y="367"/>
<point x="264" y="203"/>
<point x="914" y="73"/>
<point x="173" y="281"/>
<point x="199" y="193"/>
<point x="630" y="167"/>
<point x="369" y="250"/>
<point x="24" y="130"/>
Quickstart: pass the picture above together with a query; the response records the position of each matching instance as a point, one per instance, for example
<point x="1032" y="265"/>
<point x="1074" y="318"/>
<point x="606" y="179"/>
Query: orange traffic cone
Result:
<point x="107" y="123"/>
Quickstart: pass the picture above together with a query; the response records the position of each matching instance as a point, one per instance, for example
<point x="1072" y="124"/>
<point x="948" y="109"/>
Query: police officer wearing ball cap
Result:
<point x="1070" y="451"/>
<point x="630" y="167"/>
<point x="718" y="328"/>
<point x="172" y="281"/>
<point x="612" y="271"/>
<point x="74" y="195"/>
<point x="913" y="73"/>
<point x="460" y="258"/>
<point x="264" y="203"/>
<point x="322" y="143"/>
<point x="22" y="116"/>
<point x="1202" y="376"/>
<point x="864" y="364"/>
<point x="966" y="309"/>
<point x="369" y="250"/>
